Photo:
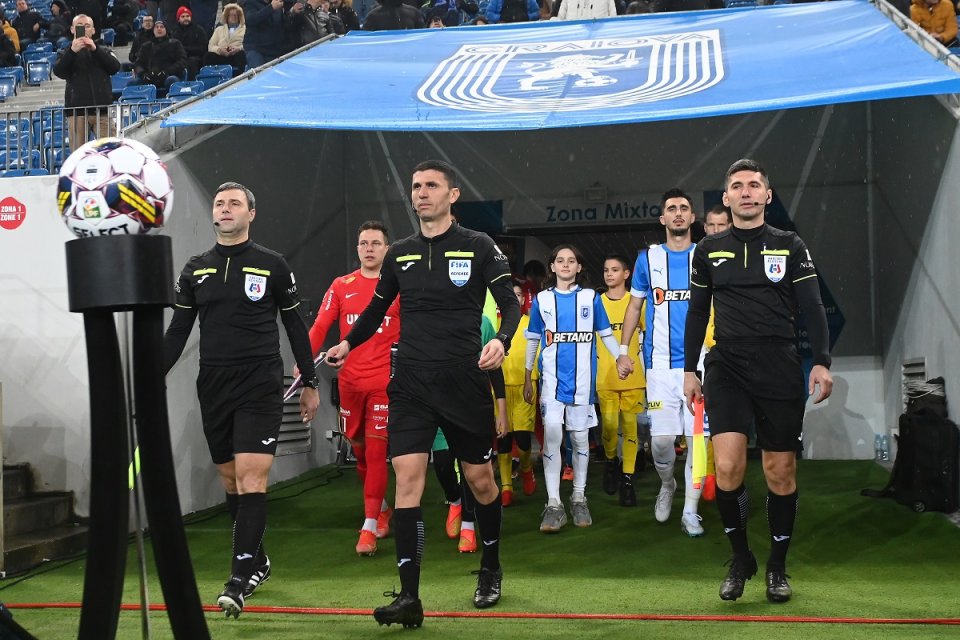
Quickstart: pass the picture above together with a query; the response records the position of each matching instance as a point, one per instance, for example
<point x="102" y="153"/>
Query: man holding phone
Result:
<point x="86" y="65"/>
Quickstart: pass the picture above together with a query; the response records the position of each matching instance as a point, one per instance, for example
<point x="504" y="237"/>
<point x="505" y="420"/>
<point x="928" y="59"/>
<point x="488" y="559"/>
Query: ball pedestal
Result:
<point x="105" y="275"/>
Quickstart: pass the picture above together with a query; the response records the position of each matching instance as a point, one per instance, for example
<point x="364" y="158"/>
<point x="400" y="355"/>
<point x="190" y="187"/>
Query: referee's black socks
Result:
<point x="489" y="521"/>
<point x="248" y="528"/>
<point x="233" y="504"/>
<point x="408" y="529"/>
<point x="781" y="514"/>
<point x="734" y="508"/>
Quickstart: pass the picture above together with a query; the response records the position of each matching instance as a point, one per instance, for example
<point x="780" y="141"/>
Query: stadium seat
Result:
<point x="107" y="36"/>
<point x="55" y="147"/>
<point x="19" y="173"/>
<point x="15" y="72"/>
<point x="212" y="75"/>
<point x="138" y="93"/>
<point x="182" y="90"/>
<point x="733" y="4"/>
<point x="38" y="72"/>
<point x="119" y="81"/>
<point x="15" y="159"/>
<point x="8" y="87"/>
<point x="43" y="47"/>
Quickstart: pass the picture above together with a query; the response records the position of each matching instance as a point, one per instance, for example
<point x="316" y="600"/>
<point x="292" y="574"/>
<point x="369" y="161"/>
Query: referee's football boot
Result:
<point x="488" y="588"/>
<point x="261" y="574"/>
<point x="611" y="475"/>
<point x="231" y="598"/>
<point x="741" y="570"/>
<point x="405" y="610"/>
<point x="778" y="587"/>
<point x="628" y="497"/>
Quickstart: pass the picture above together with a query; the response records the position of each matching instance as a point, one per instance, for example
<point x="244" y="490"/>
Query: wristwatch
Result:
<point x="313" y="382"/>
<point x="505" y="339"/>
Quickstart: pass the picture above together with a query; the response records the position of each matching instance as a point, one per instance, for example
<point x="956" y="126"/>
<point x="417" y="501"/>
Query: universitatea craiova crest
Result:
<point x="575" y="75"/>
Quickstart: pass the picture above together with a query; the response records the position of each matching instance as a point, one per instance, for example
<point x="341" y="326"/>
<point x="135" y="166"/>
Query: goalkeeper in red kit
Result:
<point x="363" y="380"/>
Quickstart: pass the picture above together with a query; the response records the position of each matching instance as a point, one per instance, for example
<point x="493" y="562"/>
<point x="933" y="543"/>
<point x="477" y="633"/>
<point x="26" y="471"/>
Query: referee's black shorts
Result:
<point x="241" y="407"/>
<point x="456" y="399"/>
<point x="756" y="384"/>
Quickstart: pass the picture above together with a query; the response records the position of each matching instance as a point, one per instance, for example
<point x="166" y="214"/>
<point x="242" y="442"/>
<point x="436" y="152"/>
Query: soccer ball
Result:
<point x="114" y="186"/>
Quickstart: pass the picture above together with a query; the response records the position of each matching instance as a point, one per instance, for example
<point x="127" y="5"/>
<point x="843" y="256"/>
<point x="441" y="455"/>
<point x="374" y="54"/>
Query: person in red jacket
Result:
<point x="363" y="380"/>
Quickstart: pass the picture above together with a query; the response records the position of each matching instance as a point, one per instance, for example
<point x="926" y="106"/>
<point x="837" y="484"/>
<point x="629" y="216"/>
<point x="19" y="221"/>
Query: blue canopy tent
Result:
<point x="568" y="74"/>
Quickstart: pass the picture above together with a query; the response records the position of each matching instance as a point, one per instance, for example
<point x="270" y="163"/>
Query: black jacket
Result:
<point x="390" y="17"/>
<point x="348" y="16"/>
<point x="143" y="36"/>
<point x="311" y="25"/>
<point x="164" y="55"/>
<point x="24" y="22"/>
<point x="193" y="38"/>
<point x="88" y="76"/>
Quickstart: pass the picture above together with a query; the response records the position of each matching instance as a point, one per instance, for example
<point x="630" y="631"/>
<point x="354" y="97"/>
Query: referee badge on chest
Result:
<point x="459" y="271"/>
<point x="255" y="286"/>
<point x="775" y="267"/>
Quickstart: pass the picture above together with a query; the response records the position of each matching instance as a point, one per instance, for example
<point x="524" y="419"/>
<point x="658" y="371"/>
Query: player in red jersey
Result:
<point x="364" y="377"/>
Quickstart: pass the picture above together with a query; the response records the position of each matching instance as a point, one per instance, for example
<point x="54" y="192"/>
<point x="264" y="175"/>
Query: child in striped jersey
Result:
<point x="564" y="321"/>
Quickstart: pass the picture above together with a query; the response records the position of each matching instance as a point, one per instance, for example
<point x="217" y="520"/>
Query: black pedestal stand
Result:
<point x="105" y="275"/>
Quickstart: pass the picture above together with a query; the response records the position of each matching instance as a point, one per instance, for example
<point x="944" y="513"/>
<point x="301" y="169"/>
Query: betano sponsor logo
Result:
<point x="569" y="336"/>
<point x="670" y="295"/>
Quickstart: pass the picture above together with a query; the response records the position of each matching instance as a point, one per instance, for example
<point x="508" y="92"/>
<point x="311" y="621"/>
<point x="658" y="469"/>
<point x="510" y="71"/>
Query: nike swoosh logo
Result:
<point x="244" y="556"/>
<point x="268" y="440"/>
<point x="379" y="428"/>
<point x="780" y="538"/>
<point x="350" y="295"/>
<point x="719" y="262"/>
<point x="729" y="529"/>
<point x="200" y="281"/>
<point x="403" y="561"/>
<point x="487" y="544"/>
<point x="406" y="266"/>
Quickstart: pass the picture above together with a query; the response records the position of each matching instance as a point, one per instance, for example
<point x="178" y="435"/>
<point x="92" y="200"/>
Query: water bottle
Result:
<point x="878" y="447"/>
<point x="885" y="448"/>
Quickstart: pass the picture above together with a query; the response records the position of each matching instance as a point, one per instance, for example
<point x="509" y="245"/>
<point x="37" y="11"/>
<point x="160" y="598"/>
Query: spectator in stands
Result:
<point x="265" y="39"/>
<point x="639" y="6"/>
<point x="393" y="15"/>
<point x="480" y="20"/>
<point x="8" y="53"/>
<point x="168" y="9"/>
<point x="343" y="9"/>
<point x="143" y="36"/>
<point x="586" y="9"/>
<point x="546" y="9"/>
<point x="9" y="30"/>
<point x="936" y="17"/>
<point x="86" y="65"/>
<point x="205" y="13"/>
<point x="59" y="26"/>
<point x="193" y="38"/>
<point x="28" y="23"/>
<point x="506" y="11"/>
<point x="162" y="61"/>
<point x="310" y="22"/>
<point x="121" y="19"/>
<point x="435" y="17"/>
<point x="226" y="43"/>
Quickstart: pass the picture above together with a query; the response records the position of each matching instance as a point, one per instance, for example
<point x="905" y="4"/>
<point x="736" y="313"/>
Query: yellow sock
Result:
<point x="631" y="445"/>
<point x="506" y="471"/>
<point x="526" y="463"/>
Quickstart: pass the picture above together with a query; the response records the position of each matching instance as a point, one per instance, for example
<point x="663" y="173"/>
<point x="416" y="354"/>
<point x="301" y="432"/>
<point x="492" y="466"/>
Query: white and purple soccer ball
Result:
<point x="114" y="186"/>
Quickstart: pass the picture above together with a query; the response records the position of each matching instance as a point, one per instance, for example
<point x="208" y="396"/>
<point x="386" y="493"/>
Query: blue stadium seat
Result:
<point x="15" y="159"/>
<point x="107" y="36"/>
<point x="212" y="75"/>
<point x="19" y="173"/>
<point x="139" y="93"/>
<point x="732" y="4"/>
<point x="182" y="90"/>
<point x="8" y="87"/>
<point x="119" y="81"/>
<point x="55" y="147"/>
<point x="15" y="72"/>
<point x="38" y="71"/>
<point x="43" y="47"/>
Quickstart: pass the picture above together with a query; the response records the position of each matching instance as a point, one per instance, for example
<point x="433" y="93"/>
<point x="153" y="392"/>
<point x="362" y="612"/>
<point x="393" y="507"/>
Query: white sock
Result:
<point x="552" y="435"/>
<point x="466" y="526"/>
<point x="455" y="503"/>
<point x="664" y="456"/>
<point x="581" y="460"/>
<point x="691" y="495"/>
<point x="370" y="524"/>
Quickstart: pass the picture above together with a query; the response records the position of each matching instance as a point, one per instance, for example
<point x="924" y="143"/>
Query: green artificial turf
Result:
<point x="851" y="557"/>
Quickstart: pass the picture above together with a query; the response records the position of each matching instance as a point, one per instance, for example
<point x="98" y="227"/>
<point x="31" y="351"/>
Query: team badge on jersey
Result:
<point x="775" y="267"/>
<point x="459" y="271"/>
<point x="255" y="286"/>
<point x="584" y="312"/>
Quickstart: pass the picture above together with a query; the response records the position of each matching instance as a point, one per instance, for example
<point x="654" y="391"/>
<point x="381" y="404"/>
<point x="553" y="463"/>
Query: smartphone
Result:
<point x="80" y="31"/>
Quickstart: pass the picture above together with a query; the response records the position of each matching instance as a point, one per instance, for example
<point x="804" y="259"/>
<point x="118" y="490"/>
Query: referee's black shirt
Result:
<point x="237" y="291"/>
<point x="442" y="283"/>
<point x="757" y="279"/>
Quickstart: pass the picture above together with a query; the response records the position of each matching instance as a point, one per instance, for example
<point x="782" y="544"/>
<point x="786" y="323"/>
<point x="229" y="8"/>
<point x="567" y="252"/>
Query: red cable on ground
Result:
<point x="321" y="611"/>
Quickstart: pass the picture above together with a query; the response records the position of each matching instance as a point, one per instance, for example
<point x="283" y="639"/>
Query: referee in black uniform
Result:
<point x="237" y="288"/>
<point x="441" y="274"/>
<point x="758" y="277"/>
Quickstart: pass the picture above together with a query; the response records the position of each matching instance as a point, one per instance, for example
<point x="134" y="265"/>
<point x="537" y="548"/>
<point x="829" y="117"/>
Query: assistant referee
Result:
<point x="757" y="277"/>
<point x="237" y="289"/>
